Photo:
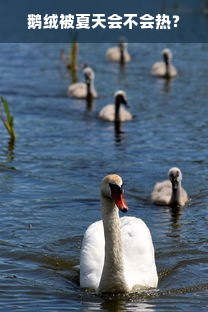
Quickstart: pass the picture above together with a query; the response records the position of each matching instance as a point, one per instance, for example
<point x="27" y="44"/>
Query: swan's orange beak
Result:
<point x="117" y="195"/>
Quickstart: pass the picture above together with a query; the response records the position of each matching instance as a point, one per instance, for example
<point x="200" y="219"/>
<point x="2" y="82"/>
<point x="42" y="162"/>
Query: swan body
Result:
<point x="84" y="89"/>
<point x="117" y="254"/>
<point x="119" y="53"/>
<point x="170" y="192"/>
<point x="116" y="112"/>
<point x="165" y="69"/>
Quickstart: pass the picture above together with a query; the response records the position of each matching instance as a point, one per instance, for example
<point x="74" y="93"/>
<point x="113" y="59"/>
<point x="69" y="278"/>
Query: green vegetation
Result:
<point x="73" y="55"/>
<point x="7" y="118"/>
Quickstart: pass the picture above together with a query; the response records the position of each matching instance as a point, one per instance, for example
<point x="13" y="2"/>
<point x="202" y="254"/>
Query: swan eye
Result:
<point x="171" y="176"/>
<point x="122" y="188"/>
<point x="116" y="188"/>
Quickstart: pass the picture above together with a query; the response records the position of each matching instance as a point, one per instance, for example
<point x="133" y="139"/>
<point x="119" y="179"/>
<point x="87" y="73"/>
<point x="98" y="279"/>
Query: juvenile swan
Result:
<point x="116" y="112"/>
<point x="119" y="53"/>
<point x="165" y="69"/>
<point x="81" y="89"/>
<point x="117" y="254"/>
<point x="170" y="192"/>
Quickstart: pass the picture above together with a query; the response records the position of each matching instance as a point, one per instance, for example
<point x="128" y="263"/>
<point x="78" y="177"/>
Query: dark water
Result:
<point x="49" y="186"/>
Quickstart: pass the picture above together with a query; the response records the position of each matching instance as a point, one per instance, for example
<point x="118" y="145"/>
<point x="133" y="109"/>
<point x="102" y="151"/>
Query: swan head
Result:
<point x="167" y="56"/>
<point x="120" y="97"/>
<point x="112" y="188"/>
<point x="88" y="74"/>
<point x="175" y="177"/>
<point x="122" y="43"/>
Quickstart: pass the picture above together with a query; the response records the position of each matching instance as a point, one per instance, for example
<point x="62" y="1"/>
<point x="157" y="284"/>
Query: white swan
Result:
<point x="117" y="254"/>
<point x="165" y="69"/>
<point x="170" y="192"/>
<point x="116" y="112"/>
<point x="81" y="89"/>
<point x="119" y="53"/>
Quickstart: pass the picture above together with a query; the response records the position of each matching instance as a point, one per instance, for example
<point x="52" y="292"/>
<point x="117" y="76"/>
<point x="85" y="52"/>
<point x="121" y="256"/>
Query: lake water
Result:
<point x="49" y="186"/>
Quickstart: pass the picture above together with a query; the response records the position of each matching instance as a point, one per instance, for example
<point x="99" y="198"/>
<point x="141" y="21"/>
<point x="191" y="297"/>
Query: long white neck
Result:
<point x="112" y="279"/>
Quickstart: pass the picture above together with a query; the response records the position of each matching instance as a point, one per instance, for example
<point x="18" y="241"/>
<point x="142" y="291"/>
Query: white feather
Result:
<point x="114" y="55"/>
<point x="79" y="89"/>
<point x="138" y="254"/>
<point x="163" y="192"/>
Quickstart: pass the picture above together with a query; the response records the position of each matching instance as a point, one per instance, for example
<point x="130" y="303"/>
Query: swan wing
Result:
<point x="173" y="71"/>
<point x="108" y="112"/>
<point x="184" y="197"/>
<point x="158" y="69"/>
<point x="161" y="193"/>
<point x="92" y="256"/>
<point x="113" y="54"/>
<point x="124" y="114"/>
<point x="77" y="89"/>
<point x="138" y="252"/>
